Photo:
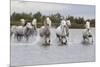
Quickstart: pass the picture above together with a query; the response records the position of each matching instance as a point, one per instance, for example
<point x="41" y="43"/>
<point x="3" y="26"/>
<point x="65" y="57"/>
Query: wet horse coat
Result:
<point x="45" y="31"/>
<point x="87" y="36"/>
<point x="87" y="33"/>
<point x="62" y="31"/>
<point x="25" y="31"/>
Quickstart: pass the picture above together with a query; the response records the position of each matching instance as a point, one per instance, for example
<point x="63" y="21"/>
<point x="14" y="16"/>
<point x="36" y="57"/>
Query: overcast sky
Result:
<point x="86" y="11"/>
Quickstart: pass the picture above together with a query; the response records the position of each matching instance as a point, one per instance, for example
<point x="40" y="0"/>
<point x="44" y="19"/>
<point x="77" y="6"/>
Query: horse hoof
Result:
<point x="63" y="43"/>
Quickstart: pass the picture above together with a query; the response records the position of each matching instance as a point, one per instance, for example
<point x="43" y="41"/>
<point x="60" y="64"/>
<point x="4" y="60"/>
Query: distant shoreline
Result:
<point x="76" y="26"/>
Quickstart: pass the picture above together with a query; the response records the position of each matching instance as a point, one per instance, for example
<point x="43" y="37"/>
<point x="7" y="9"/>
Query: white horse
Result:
<point x="29" y="30"/>
<point x="26" y="29"/>
<point x="14" y="27"/>
<point x="87" y="36"/>
<point x="48" y="21"/>
<point x="19" y="32"/>
<point x="45" y="31"/>
<point x="62" y="31"/>
<point x="34" y="24"/>
<point x="23" y="31"/>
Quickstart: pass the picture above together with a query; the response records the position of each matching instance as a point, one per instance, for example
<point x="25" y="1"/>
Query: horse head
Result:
<point x="48" y="21"/>
<point x="34" y="22"/>
<point x="68" y="22"/>
<point x="87" y="25"/>
<point x="29" y="25"/>
<point x="22" y="21"/>
<point x="63" y="23"/>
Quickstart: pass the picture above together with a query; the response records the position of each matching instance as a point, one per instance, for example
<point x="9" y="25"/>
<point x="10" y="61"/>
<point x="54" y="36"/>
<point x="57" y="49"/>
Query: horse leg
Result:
<point x="58" y="36"/>
<point x="19" y="38"/>
<point x="92" y="39"/>
<point x="84" y="38"/>
<point x="64" y="40"/>
<point x="47" y="41"/>
<point x="27" y="37"/>
<point x="67" y="33"/>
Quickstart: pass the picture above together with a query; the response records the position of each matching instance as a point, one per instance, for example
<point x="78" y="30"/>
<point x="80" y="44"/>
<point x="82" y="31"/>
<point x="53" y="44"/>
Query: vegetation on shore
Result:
<point x="77" y="22"/>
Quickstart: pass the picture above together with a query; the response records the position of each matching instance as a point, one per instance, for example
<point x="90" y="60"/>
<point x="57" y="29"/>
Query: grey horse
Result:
<point x="87" y="36"/>
<point x="62" y="31"/>
<point x="22" y="31"/>
<point x="45" y="31"/>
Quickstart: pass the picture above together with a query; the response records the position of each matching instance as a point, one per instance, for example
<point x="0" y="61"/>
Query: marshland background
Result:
<point x="77" y="22"/>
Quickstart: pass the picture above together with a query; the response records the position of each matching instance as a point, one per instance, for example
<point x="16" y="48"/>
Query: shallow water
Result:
<point x="33" y="53"/>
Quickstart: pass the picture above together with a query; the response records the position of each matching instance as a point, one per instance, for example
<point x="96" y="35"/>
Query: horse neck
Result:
<point x="63" y="29"/>
<point x="67" y="25"/>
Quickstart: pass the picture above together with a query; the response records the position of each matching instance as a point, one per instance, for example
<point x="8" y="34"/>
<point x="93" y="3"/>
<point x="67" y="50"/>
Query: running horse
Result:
<point x="23" y="31"/>
<point x="34" y="24"/>
<point x="87" y="36"/>
<point x="45" y="31"/>
<point x="62" y="31"/>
